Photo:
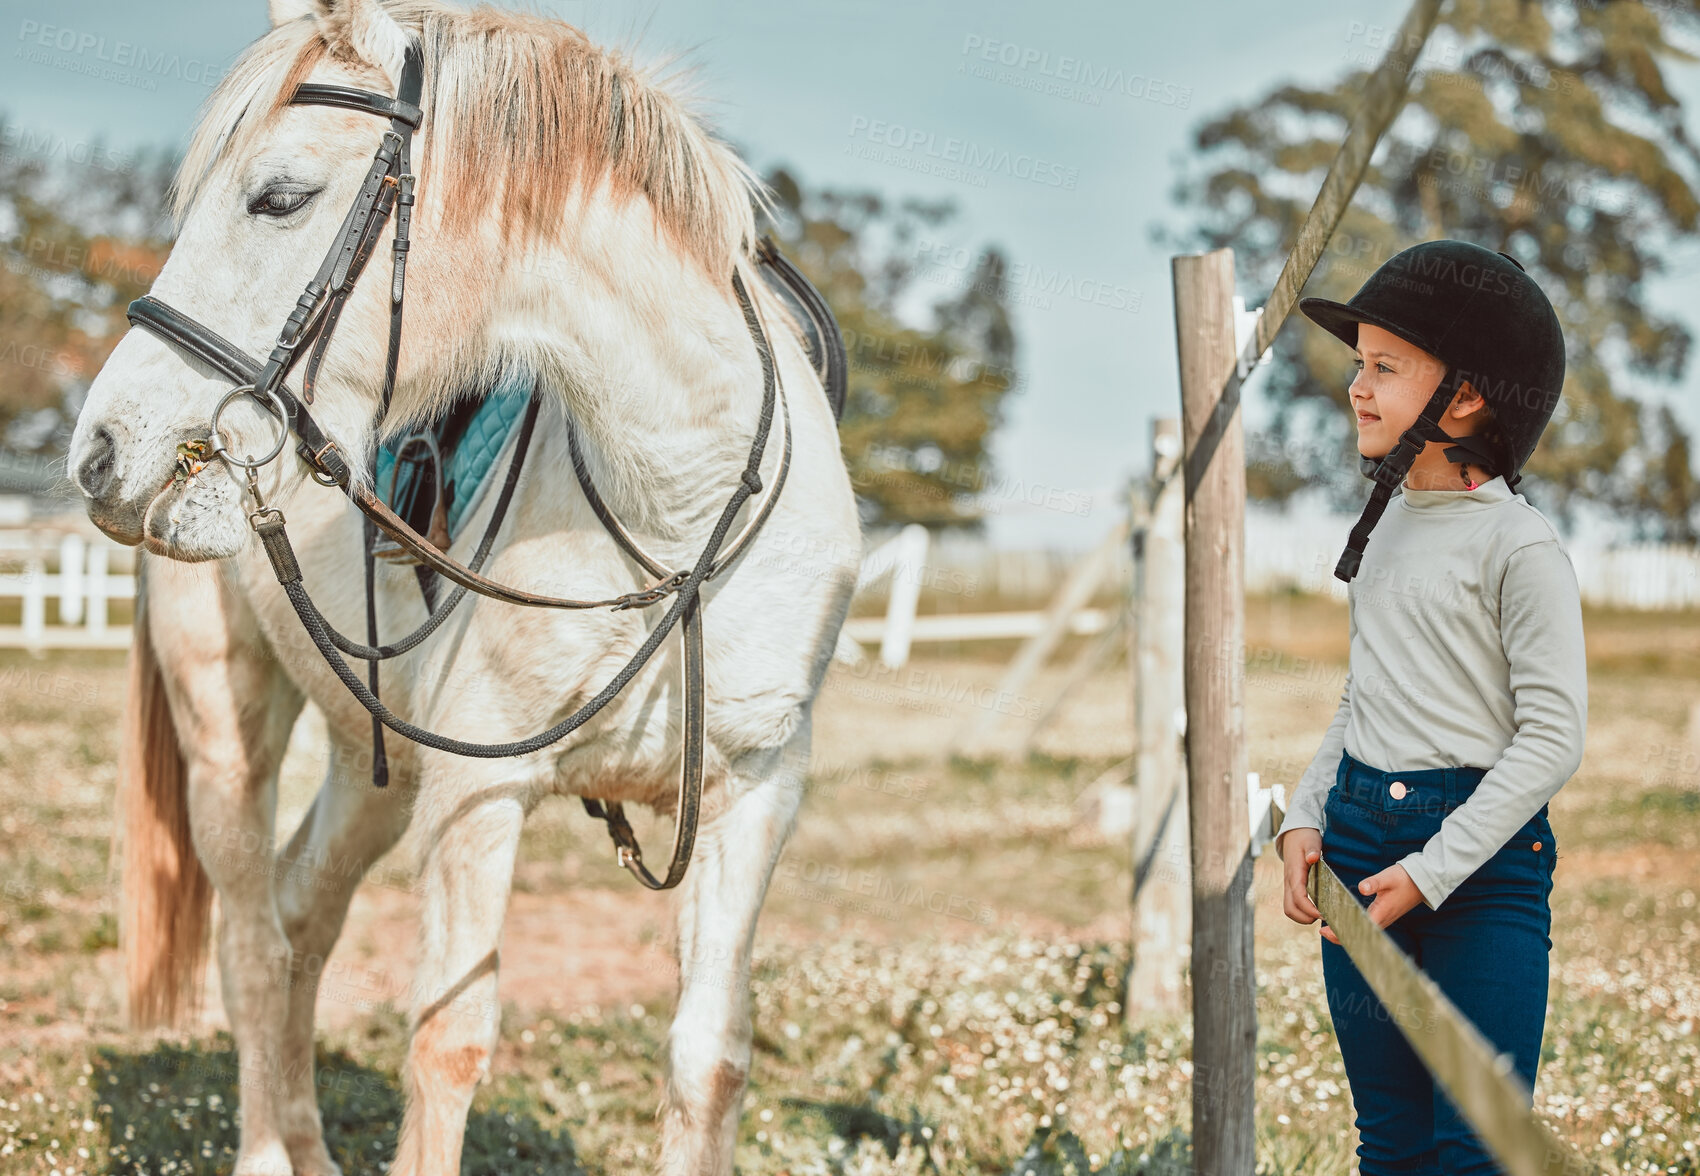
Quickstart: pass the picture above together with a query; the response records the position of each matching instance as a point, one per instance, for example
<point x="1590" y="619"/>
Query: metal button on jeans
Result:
<point x="1397" y="789"/>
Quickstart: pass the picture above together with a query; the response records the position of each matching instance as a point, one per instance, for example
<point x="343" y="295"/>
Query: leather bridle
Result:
<point x="389" y="190"/>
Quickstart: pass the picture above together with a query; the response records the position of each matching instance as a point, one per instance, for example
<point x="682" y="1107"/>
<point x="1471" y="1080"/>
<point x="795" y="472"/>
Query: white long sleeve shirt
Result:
<point x="1466" y="650"/>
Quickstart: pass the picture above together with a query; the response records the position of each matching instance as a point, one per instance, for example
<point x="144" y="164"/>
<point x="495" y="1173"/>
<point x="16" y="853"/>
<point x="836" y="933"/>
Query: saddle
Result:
<point x="434" y="476"/>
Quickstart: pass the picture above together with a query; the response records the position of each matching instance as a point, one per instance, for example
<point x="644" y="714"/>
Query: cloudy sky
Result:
<point x="822" y="88"/>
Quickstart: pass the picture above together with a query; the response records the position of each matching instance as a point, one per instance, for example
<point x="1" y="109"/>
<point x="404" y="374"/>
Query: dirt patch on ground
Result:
<point x="596" y="947"/>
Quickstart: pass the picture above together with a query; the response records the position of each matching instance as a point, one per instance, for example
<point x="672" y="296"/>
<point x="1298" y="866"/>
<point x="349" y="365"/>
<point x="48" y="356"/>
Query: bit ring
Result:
<point x="277" y="409"/>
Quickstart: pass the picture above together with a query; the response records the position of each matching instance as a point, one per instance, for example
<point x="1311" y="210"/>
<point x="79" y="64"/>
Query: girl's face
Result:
<point x="1395" y="379"/>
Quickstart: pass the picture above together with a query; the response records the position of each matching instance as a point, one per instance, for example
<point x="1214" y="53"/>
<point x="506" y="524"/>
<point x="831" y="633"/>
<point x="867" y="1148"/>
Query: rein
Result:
<point x="389" y="189"/>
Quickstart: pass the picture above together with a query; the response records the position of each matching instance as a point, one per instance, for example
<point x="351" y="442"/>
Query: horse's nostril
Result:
<point x="98" y="471"/>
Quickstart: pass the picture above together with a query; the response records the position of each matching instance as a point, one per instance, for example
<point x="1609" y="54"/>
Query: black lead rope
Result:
<point x="380" y="761"/>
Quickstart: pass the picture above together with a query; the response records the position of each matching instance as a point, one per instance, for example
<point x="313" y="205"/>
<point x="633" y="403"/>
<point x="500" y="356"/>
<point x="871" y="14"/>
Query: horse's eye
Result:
<point x="280" y="202"/>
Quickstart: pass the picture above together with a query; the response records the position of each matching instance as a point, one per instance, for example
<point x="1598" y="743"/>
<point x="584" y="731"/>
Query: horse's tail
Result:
<point x="167" y="897"/>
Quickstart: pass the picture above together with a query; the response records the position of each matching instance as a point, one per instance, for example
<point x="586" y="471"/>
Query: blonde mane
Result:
<point x="522" y="110"/>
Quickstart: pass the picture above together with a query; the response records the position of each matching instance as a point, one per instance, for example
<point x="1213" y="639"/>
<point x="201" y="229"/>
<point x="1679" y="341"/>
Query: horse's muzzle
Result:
<point x="112" y="506"/>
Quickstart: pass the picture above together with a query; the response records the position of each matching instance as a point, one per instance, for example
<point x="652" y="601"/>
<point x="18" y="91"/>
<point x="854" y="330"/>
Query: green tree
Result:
<point x="923" y="398"/>
<point x="1543" y="128"/>
<point x="85" y="232"/>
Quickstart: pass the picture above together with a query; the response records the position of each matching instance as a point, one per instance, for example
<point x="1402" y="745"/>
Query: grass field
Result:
<point x="964" y="1020"/>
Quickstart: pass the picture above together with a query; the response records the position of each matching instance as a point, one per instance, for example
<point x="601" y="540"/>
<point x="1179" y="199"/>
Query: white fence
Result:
<point x="1301" y="553"/>
<point x="1282" y="553"/>
<point x="81" y="572"/>
<point x="1643" y="576"/>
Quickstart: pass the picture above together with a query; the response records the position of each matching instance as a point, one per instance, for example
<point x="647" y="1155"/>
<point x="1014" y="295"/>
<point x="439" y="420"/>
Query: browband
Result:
<point x="319" y="94"/>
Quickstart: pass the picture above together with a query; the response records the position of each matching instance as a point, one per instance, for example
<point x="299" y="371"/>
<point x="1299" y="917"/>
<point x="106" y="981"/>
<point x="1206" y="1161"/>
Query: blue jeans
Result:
<point x="1486" y="947"/>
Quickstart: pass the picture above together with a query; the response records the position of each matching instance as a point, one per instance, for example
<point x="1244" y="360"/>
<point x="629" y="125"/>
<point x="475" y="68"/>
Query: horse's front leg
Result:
<point x="709" y="1042"/>
<point x="465" y="876"/>
<point x="350" y="826"/>
<point x="233" y="708"/>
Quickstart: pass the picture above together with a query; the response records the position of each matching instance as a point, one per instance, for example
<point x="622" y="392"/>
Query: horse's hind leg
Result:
<point x="465" y="879"/>
<point x="233" y="708"/>
<point x="350" y="826"/>
<point x="709" y="1042"/>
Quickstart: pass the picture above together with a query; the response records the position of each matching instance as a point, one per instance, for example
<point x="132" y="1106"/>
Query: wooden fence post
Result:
<point x="71" y="549"/>
<point x="1162" y="896"/>
<point x="35" y="602"/>
<point x="1224" y="1009"/>
<point x="94" y="609"/>
<point x="909" y="565"/>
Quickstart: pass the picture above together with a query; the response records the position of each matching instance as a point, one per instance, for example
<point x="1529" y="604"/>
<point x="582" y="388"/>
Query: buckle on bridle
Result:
<point x="325" y="465"/>
<point x="651" y="595"/>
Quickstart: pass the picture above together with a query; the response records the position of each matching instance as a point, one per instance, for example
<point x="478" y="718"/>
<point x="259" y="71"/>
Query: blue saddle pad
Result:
<point x="472" y="456"/>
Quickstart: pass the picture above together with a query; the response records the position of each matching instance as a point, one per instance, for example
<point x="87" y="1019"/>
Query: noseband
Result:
<point x="388" y="190"/>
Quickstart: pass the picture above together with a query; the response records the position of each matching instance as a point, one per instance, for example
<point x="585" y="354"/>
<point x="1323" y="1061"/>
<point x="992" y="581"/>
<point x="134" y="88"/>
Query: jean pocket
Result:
<point x="1352" y="832"/>
<point x="1549" y="843"/>
<point x="1338" y="813"/>
<point x="1526" y="861"/>
<point x="1332" y="821"/>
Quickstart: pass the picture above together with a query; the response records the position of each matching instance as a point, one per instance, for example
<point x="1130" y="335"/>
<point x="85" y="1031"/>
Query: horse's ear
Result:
<point x="284" y="11"/>
<point x="360" y="29"/>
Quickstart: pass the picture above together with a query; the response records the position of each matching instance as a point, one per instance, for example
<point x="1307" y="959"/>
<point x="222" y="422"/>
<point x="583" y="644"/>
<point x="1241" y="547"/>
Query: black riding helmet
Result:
<point x="1479" y="313"/>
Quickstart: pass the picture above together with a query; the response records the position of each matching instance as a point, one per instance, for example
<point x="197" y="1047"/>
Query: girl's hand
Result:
<point x="1300" y="849"/>
<point x="1394" y="892"/>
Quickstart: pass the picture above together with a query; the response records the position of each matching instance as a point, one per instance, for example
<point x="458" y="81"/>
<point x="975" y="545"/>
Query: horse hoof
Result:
<point x="268" y="1161"/>
<point x="313" y="1160"/>
<point x="327" y="1167"/>
<point x="324" y="1166"/>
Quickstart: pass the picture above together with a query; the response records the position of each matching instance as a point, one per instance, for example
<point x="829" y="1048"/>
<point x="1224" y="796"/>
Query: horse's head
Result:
<point x="261" y="196"/>
<point x="568" y="207"/>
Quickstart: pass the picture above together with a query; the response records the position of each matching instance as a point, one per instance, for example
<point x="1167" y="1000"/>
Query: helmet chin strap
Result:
<point x="1389" y="471"/>
<point x="1463" y="450"/>
<point x="1475" y="451"/>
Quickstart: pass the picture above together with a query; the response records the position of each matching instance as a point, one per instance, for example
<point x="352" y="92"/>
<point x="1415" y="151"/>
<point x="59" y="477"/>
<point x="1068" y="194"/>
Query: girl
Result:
<point x="1466" y="698"/>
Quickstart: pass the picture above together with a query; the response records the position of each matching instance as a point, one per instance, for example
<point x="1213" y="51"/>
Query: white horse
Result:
<point x="574" y="221"/>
